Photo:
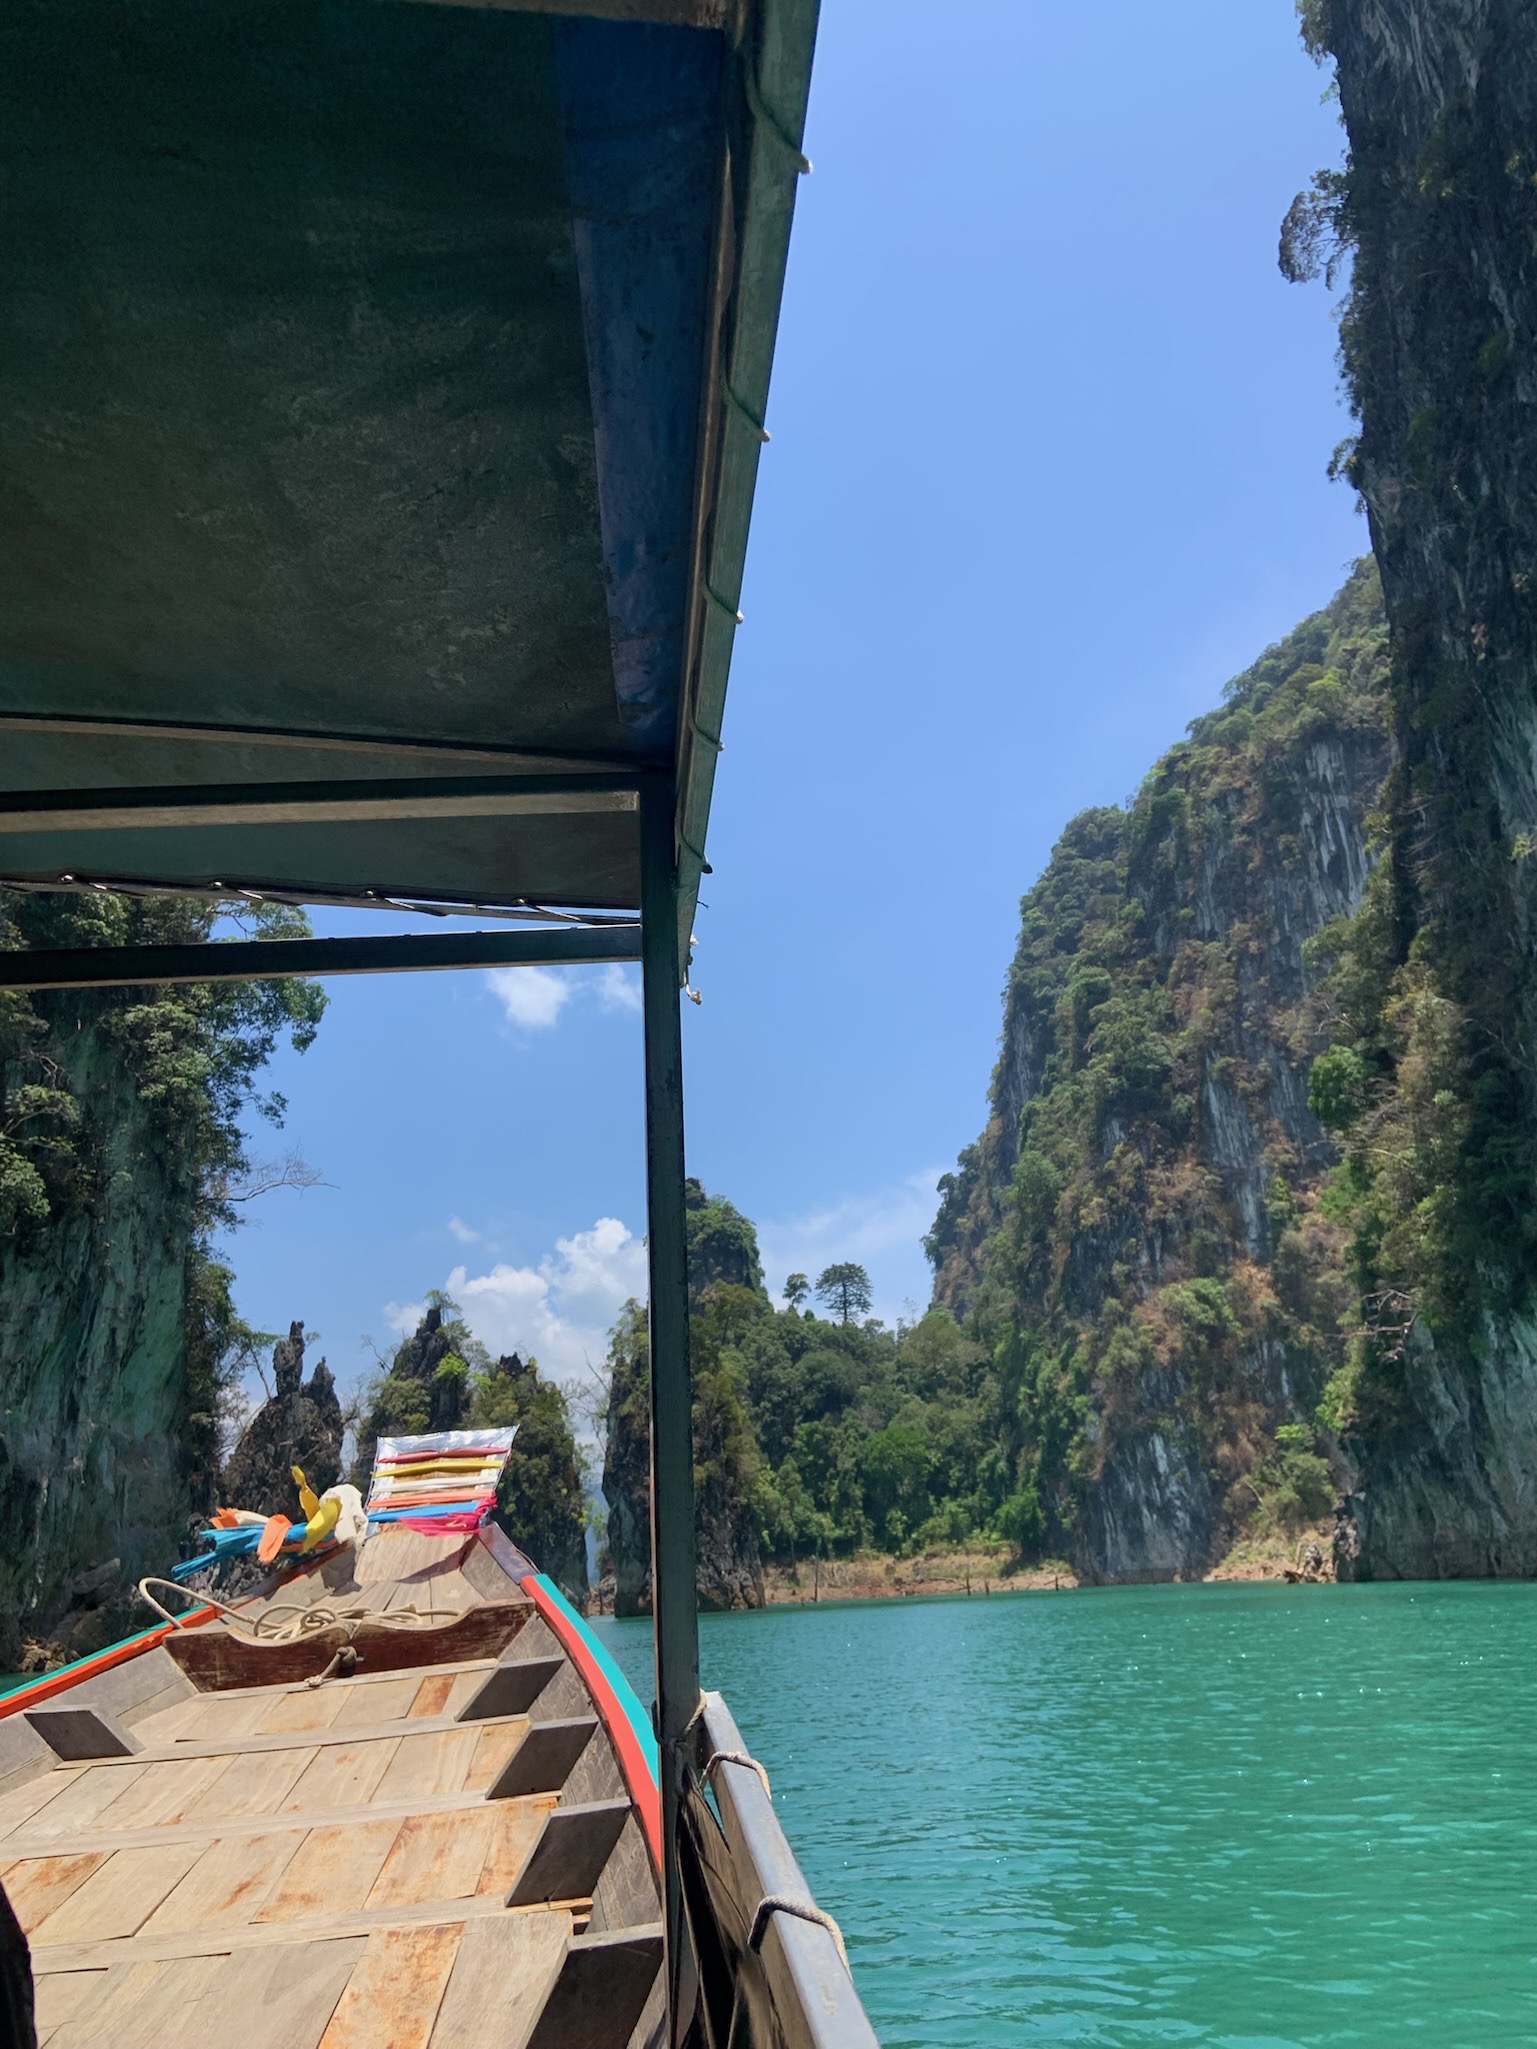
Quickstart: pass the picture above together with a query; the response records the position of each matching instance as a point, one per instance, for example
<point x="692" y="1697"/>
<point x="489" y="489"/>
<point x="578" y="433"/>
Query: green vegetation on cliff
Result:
<point x="1432" y="1082"/>
<point x="813" y="1436"/>
<point x="120" y="1155"/>
<point x="1137" y="1239"/>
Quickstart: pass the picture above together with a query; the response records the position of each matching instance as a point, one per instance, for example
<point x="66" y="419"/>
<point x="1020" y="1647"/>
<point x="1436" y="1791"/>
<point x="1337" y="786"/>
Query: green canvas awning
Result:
<point x="381" y="388"/>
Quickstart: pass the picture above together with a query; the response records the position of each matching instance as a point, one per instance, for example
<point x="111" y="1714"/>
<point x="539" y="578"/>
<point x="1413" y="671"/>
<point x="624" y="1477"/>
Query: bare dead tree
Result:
<point x="260" y="1177"/>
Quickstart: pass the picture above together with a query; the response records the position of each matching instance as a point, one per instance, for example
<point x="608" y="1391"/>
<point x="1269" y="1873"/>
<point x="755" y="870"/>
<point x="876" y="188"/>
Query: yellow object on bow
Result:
<point x="309" y="1500"/>
<point x="322" y="1522"/>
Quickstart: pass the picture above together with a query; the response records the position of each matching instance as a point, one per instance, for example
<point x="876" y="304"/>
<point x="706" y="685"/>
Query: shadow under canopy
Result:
<point x="381" y="386"/>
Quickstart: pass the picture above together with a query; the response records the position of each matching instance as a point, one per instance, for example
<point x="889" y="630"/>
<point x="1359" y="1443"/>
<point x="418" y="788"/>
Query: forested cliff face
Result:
<point x="1433" y="1078"/>
<point x="815" y="1436"/>
<point x="1137" y="1237"/>
<point x="726" y="1293"/>
<point x="119" y="1146"/>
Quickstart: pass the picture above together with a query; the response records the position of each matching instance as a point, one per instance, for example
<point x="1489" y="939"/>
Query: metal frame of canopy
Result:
<point x="155" y="795"/>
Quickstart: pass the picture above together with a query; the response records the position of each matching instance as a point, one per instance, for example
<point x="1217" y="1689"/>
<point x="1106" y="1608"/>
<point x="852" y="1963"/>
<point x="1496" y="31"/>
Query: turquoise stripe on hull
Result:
<point x="624" y="1692"/>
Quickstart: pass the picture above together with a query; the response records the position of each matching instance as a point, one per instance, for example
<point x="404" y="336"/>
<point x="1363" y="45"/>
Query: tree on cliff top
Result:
<point x="845" y="1289"/>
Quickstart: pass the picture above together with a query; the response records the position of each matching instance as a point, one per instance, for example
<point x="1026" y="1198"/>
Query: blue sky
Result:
<point x="1050" y="436"/>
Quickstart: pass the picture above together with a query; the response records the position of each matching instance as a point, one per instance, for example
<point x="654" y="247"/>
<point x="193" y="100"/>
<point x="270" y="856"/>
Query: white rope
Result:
<point x="737" y="1757"/>
<point x="309" y="1619"/>
<point x="803" y="1910"/>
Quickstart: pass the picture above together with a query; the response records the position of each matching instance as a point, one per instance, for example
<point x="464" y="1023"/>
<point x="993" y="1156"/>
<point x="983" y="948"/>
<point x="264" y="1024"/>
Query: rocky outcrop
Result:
<point x="119" y="1146"/>
<point x="724" y="1269"/>
<point x="1136" y="1233"/>
<point x="98" y="1465"/>
<point x="443" y="1378"/>
<point x="1450" y="1496"/>
<point x="1439" y="199"/>
<point x="300" y="1424"/>
<point x="426" y="1387"/>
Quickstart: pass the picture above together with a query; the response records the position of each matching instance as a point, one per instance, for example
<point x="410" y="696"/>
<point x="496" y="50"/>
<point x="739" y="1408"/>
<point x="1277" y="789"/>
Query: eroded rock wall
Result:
<point x="1136" y="1234"/>
<point x="97" y="1476"/>
<point x="1440" y="106"/>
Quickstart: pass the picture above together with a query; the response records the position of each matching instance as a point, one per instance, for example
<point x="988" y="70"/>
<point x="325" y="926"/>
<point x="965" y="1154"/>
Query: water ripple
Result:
<point x="1243" y="1817"/>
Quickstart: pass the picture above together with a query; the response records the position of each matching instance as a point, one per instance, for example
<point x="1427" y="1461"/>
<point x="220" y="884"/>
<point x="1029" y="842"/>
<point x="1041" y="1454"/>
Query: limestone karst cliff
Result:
<point x="442" y="1378"/>
<point x="119" y="1145"/>
<point x="1137" y="1235"/>
<point x="1436" y="1101"/>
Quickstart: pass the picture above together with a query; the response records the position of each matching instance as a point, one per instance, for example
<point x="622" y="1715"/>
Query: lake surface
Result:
<point x="1251" y="1816"/>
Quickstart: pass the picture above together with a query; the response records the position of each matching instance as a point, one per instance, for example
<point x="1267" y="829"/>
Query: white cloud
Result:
<point x="619" y="988"/>
<point x="882" y="1231"/>
<point x="461" y="1230"/>
<point x="560" y="1310"/>
<point x="404" y="1316"/>
<point x="534" y="998"/>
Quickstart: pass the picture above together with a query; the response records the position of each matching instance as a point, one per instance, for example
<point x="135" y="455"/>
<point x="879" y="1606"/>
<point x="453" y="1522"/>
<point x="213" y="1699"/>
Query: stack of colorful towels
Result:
<point x="444" y="1481"/>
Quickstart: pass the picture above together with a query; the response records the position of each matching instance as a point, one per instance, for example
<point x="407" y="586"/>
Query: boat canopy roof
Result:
<point x="381" y="393"/>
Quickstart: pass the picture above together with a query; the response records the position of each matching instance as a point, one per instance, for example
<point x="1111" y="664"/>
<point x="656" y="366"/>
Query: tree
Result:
<point x="796" y="1289"/>
<point x="845" y="1289"/>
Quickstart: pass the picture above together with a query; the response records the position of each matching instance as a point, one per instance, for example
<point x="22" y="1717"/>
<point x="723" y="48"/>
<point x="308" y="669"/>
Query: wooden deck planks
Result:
<point x="65" y="1995"/>
<point x="37" y="1885"/>
<point x="503" y="1970"/>
<point x="228" y="1884"/>
<point x="87" y="1956"/>
<point x="19" y="1805"/>
<point x="170" y="1723"/>
<point x="387" y="1700"/>
<point x="285" y="1997"/>
<point x="272" y="1998"/>
<point x="342" y="1775"/>
<point x="163" y="1793"/>
<point x="316" y="1922"/>
<point x="252" y="1785"/>
<point x="110" y="1995"/>
<point x="119" y="1897"/>
<point x="493" y="1748"/>
<point x="467" y="1681"/>
<point x="21" y="1845"/>
<point x="302" y="1707"/>
<point x="398" y="1553"/>
<point x="333" y="1873"/>
<point x="79" y="1796"/>
<point x="432" y="1694"/>
<point x="434" y="1857"/>
<point x="429" y="1764"/>
<point x="515" y="1828"/>
<point x="393" y="1995"/>
<point x="211" y="1718"/>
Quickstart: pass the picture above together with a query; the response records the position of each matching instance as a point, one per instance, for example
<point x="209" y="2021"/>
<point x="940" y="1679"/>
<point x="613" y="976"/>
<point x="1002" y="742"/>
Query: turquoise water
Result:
<point x="1249" y="1816"/>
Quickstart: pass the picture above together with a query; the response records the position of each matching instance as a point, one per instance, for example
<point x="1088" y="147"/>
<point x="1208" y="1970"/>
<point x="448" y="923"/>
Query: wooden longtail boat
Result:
<point x="382" y="391"/>
<point x="403" y="1797"/>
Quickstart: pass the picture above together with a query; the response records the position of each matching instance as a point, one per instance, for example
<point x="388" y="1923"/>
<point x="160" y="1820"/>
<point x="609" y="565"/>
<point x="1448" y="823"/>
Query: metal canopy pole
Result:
<point x="674" y="1605"/>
